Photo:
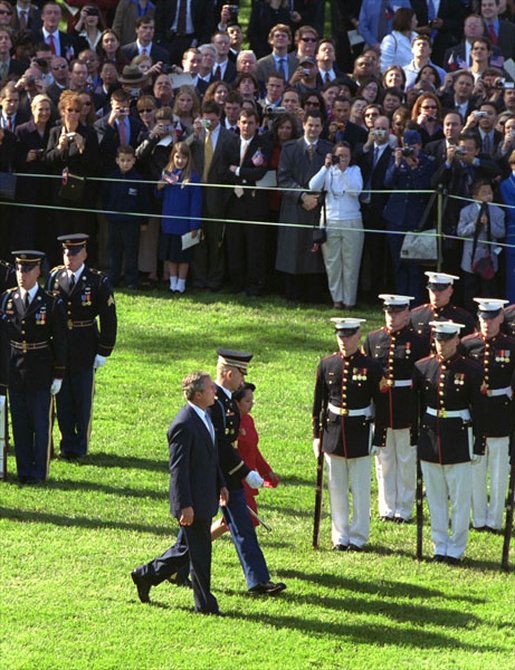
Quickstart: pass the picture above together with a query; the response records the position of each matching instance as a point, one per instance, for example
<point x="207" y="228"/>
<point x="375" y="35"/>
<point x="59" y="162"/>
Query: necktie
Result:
<point x="144" y="51"/>
<point x="4" y="71"/>
<point x="487" y="143"/>
<point x="311" y="151"/>
<point x="23" y="19"/>
<point x="209" y="425"/>
<point x="122" y="132"/>
<point x="27" y="300"/>
<point x="71" y="283"/>
<point x="51" y="44"/>
<point x="208" y="156"/>
<point x="243" y="149"/>
<point x="181" y="18"/>
<point x="282" y="69"/>
<point x="10" y="122"/>
<point x="376" y="156"/>
<point x="327" y="78"/>
<point x="492" y="34"/>
<point x="218" y="73"/>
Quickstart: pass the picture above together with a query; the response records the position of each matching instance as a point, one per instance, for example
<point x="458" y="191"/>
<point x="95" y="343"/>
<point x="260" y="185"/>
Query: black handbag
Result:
<point x="484" y="266"/>
<point x="320" y="232"/>
<point x="72" y="187"/>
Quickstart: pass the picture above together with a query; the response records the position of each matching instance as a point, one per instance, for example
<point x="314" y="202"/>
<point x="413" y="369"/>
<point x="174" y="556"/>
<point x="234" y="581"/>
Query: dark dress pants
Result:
<point x="73" y="403"/>
<point x="30" y="414"/>
<point x="193" y="546"/>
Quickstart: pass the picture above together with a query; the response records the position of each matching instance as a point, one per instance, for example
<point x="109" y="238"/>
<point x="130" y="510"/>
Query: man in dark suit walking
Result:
<point x="196" y="488"/>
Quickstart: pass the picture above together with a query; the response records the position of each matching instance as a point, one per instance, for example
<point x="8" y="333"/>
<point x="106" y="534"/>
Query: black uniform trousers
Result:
<point x="73" y="403"/>
<point x="30" y="414"/>
<point x="193" y="547"/>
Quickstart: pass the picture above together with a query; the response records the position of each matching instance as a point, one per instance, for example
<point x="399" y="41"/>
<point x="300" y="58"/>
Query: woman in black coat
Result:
<point x="72" y="151"/>
<point x="35" y="227"/>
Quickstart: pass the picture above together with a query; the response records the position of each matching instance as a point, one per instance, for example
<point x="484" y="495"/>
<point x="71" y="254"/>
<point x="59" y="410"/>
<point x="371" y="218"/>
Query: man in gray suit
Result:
<point x="213" y="149"/>
<point x="300" y="160"/>
<point x="196" y="488"/>
<point x="280" y="39"/>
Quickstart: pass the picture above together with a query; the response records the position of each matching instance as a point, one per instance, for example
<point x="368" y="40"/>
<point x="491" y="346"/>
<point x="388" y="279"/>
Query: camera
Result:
<point x="91" y="11"/>
<point x="480" y="115"/>
<point x="407" y="151"/>
<point x="205" y="123"/>
<point x="460" y="151"/>
<point x="335" y="160"/>
<point x="124" y="110"/>
<point x="270" y="110"/>
<point x="379" y="133"/>
<point x="41" y="62"/>
<point x="233" y="13"/>
<point x="70" y="137"/>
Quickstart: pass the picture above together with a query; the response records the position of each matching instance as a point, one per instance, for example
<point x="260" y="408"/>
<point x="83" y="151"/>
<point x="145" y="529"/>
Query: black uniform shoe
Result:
<point x="354" y="547"/>
<point x="439" y="558"/>
<point x="480" y="529"/>
<point x="452" y="560"/>
<point x="340" y="547"/>
<point x="267" y="589"/>
<point x="386" y="518"/>
<point x="142" y="585"/>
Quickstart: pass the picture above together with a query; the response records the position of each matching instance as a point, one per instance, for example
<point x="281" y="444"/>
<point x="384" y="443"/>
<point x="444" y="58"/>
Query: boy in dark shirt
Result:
<point x="124" y="197"/>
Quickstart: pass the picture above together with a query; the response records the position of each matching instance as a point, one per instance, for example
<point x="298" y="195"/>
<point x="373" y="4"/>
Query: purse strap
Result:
<point x="483" y="211"/>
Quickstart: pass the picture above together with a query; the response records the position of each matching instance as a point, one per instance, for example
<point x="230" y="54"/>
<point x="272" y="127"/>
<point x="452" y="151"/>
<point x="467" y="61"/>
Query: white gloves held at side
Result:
<point x="254" y="480"/>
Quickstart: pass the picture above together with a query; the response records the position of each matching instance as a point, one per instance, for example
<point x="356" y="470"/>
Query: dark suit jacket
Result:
<point x="506" y="39"/>
<point x="453" y="13"/>
<point x="195" y="476"/>
<point x="229" y="74"/>
<point x="253" y="204"/>
<point x="227" y="152"/>
<point x="31" y="189"/>
<point x="352" y="134"/>
<point x="340" y="77"/>
<point x="17" y="67"/>
<point x="200" y="16"/>
<point x="455" y="57"/>
<point x="130" y="51"/>
<point x="86" y="164"/>
<point x="376" y="174"/>
<point x="54" y="92"/>
<point x="438" y="150"/>
<point x="71" y="45"/>
<point x="109" y="139"/>
<point x="33" y="19"/>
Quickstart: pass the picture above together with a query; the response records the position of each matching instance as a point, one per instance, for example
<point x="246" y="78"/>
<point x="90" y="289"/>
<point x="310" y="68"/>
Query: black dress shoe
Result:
<point x="340" y="547"/>
<point x="142" y="585"/>
<point x="399" y="519"/>
<point x="267" y="589"/>
<point x="480" y="529"/>
<point x="386" y="518"/>
<point x="354" y="547"/>
<point x="439" y="558"/>
<point x="494" y="531"/>
<point x="452" y="560"/>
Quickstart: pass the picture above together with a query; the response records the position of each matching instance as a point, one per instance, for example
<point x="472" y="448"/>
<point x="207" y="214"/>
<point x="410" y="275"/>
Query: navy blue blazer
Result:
<point x="195" y="475"/>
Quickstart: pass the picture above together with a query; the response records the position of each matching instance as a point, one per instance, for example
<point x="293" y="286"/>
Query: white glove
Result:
<point x="374" y="450"/>
<point x="254" y="480"/>
<point x="475" y="459"/>
<point x="99" y="361"/>
<point x="56" y="386"/>
<point x="316" y="446"/>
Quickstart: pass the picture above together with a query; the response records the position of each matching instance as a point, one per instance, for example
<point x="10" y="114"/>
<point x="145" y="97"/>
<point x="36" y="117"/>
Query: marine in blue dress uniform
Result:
<point x="495" y="352"/>
<point x="450" y="440"/>
<point x="396" y="347"/>
<point x="36" y="328"/>
<point x="347" y="384"/>
<point x="86" y="295"/>
<point x="440" y="286"/>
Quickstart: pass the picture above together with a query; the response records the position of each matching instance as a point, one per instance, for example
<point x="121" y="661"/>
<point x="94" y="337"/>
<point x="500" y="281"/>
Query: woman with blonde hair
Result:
<point x="186" y="108"/>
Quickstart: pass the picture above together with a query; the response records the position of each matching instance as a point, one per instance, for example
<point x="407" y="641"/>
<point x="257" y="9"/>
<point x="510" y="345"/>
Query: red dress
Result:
<point x="248" y="448"/>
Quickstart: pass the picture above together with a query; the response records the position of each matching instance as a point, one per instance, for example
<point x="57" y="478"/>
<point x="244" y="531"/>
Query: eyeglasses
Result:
<point x="60" y="67"/>
<point x="308" y="39"/>
<point x="5" y="11"/>
<point x="428" y="107"/>
<point x="72" y="109"/>
<point x="146" y="110"/>
<point x="309" y="103"/>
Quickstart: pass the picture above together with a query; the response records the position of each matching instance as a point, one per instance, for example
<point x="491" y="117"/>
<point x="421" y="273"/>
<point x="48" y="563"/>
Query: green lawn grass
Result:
<point x="66" y="550"/>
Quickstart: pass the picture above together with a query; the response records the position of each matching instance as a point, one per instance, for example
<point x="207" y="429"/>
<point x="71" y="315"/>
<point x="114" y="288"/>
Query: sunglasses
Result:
<point x="59" y="67"/>
<point x="428" y="107"/>
<point x="308" y="39"/>
<point x="72" y="109"/>
<point x="5" y="12"/>
<point x="146" y="110"/>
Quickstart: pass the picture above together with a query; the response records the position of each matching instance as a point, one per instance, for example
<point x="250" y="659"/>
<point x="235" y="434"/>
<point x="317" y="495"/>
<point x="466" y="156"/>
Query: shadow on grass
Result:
<point x="27" y="516"/>
<point x="378" y="635"/>
<point x="103" y="460"/>
<point x="385" y="589"/>
<point x="80" y="485"/>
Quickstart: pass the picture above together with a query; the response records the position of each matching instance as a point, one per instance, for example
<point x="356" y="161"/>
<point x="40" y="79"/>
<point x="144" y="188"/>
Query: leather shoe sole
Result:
<point x="142" y="585"/>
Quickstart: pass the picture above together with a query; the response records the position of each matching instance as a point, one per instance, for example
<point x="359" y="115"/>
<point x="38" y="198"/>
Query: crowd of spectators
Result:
<point x="401" y="96"/>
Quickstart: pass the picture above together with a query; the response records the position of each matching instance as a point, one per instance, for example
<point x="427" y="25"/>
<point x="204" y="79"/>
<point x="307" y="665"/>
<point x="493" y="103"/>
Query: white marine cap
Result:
<point x="393" y="300"/>
<point x="446" y="327"/>
<point x="347" y="323"/>
<point x="489" y="308"/>
<point x="440" y="277"/>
